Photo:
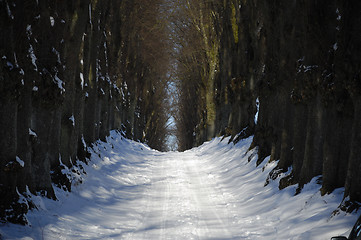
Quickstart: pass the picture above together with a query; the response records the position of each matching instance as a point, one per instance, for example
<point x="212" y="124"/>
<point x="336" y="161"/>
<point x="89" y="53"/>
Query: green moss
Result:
<point x="91" y="76"/>
<point x="74" y="20"/>
<point x="211" y="107"/>
<point x="94" y="4"/>
<point x="234" y="23"/>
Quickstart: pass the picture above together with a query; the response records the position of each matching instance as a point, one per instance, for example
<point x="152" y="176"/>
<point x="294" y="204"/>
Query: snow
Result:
<point x="32" y="56"/>
<point x="9" y="11"/>
<point x="59" y="83"/>
<point x="90" y="15"/>
<point x="16" y="60"/>
<point x="338" y="15"/>
<point x="10" y="65"/>
<point x="101" y="89"/>
<point x="52" y="21"/>
<point x="256" y="115"/>
<point x="83" y="142"/>
<point x="21" y="162"/>
<point x="57" y="55"/>
<point x="105" y="50"/>
<point x="32" y="133"/>
<point x="72" y="120"/>
<point x="28" y="31"/>
<point x="214" y="191"/>
<point x="335" y="47"/>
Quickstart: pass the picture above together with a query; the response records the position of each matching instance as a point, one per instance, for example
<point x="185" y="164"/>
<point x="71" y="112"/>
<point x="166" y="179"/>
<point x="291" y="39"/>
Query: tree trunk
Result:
<point x="353" y="178"/>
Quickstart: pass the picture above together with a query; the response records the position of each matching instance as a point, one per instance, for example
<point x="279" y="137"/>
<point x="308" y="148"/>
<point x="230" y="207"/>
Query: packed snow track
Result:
<point x="211" y="192"/>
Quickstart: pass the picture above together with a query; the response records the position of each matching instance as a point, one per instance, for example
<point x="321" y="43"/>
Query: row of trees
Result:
<point x="214" y="97"/>
<point x="70" y="71"/>
<point x="299" y="60"/>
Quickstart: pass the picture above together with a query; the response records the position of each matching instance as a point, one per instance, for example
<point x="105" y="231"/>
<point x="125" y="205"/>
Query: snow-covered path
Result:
<point x="211" y="192"/>
<point x="184" y="201"/>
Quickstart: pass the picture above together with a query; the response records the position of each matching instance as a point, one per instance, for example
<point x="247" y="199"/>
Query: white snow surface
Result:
<point x="32" y="133"/>
<point x="72" y="120"/>
<point x="20" y="162"/>
<point x="211" y="192"/>
<point x="81" y="80"/>
<point x="52" y="21"/>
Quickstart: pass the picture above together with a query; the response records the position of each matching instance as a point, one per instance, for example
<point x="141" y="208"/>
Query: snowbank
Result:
<point x="214" y="191"/>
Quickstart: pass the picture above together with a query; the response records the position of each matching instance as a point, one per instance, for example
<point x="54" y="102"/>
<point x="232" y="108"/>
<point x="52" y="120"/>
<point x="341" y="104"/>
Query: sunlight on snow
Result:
<point x="209" y="192"/>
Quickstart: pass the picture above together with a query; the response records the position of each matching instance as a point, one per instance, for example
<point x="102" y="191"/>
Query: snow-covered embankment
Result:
<point x="214" y="191"/>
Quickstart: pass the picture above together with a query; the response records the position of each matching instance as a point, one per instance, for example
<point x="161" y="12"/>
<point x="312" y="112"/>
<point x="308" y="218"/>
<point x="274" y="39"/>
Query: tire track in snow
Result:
<point x="183" y="202"/>
<point x="165" y="201"/>
<point x="205" y="193"/>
